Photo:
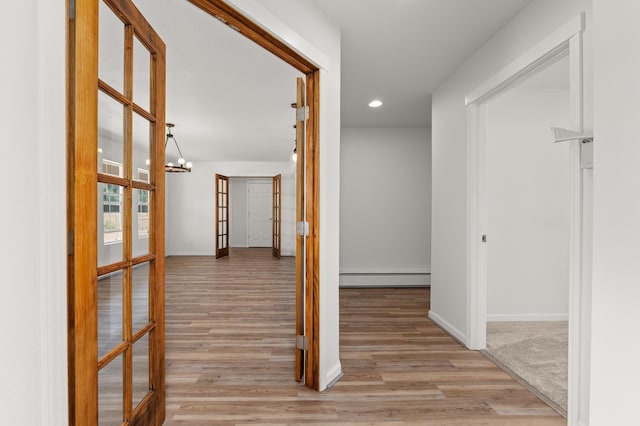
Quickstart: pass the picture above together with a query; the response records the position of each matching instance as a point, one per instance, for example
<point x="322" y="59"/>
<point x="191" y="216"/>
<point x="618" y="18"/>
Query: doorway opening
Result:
<point x="262" y="213"/>
<point x="235" y="76"/>
<point x="564" y="42"/>
<point x="528" y="215"/>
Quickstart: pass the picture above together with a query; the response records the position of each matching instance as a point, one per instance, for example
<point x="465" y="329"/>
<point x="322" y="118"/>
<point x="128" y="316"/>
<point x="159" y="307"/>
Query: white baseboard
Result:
<point x="527" y="317"/>
<point x="354" y="279"/>
<point x="448" y="327"/>
<point x="332" y="377"/>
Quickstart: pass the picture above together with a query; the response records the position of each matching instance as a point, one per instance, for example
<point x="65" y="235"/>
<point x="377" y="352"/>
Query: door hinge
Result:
<point x="302" y="343"/>
<point x="302" y="228"/>
<point x="484" y="238"/>
<point x="302" y="114"/>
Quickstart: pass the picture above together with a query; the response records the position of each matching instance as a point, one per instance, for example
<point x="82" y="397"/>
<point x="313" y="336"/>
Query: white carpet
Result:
<point x="537" y="352"/>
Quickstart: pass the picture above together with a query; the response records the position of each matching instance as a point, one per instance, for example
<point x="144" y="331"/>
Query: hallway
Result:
<point x="229" y="355"/>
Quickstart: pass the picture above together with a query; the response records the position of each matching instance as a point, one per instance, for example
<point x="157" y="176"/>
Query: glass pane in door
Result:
<point x="141" y="74"/>
<point x="110" y="136"/>
<point x="110" y="48"/>
<point x="110" y="223"/>
<point x="140" y="222"/>
<point x="110" y="393"/>
<point x="110" y="295"/>
<point x="140" y="297"/>
<point x="141" y="163"/>
<point x="140" y="369"/>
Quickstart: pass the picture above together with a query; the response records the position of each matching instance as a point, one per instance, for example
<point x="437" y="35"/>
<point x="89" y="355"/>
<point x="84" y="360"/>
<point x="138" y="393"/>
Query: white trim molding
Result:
<point x="527" y="317"/>
<point x="368" y="279"/>
<point x="448" y="327"/>
<point x="333" y="377"/>
<point x="555" y="45"/>
<point x="51" y="258"/>
<point x="411" y="277"/>
<point x="566" y="41"/>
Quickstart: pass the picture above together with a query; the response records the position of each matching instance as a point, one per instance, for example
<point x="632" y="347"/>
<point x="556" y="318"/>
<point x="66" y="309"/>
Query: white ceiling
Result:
<point x="230" y="99"/>
<point x="401" y="50"/>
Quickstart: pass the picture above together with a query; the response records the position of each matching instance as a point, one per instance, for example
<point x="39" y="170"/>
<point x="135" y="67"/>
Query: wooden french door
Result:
<point x="115" y="160"/>
<point x="301" y="339"/>
<point x="222" y="216"/>
<point x="276" y="215"/>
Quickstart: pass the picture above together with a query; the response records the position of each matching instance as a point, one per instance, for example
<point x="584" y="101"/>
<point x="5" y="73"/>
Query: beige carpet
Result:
<point x="537" y="353"/>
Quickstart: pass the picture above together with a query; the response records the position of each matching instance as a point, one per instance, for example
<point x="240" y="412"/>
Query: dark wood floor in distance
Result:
<point x="230" y="327"/>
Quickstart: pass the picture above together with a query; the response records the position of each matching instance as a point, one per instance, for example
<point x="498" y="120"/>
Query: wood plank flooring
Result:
<point x="230" y="356"/>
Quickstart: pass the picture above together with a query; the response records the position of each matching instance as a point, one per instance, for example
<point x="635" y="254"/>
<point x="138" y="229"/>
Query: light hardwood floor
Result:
<point x="230" y="339"/>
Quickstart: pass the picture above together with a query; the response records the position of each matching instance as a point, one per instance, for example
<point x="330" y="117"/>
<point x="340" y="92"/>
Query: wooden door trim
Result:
<point x="245" y="26"/>
<point x="300" y="239"/>
<point x="312" y="212"/>
<point x="82" y="42"/>
<point x="237" y="21"/>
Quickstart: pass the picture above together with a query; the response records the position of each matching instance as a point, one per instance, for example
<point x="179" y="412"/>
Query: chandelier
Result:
<point x="183" y="165"/>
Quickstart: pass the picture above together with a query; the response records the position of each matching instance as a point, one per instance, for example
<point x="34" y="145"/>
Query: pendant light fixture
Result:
<point x="294" y="153"/>
<point x="183" y="165"/>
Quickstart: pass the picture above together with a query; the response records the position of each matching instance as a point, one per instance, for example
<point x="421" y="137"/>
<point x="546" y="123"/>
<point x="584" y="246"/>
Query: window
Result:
<point x="112" y="213"/>
<point x="111" y="168"/>
<point x="143" y="205"/>
<point x="143" y="213"/>
<point x="143" y="175"/>
<point x="112" y="204"/>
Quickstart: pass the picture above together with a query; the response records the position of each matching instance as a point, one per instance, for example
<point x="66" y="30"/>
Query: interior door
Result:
<point x="260" y="210"/>
<point x="300" y="234"/>
<point x="222" y="216"/>
<point x="276" y="200"/>
<point x="115" y="205"/>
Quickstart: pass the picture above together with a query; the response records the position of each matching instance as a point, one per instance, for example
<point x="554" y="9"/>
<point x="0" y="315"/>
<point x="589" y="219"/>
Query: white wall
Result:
<point x="33" y="243"/>
<point x="616" y="294"/>
<point x="449" y="220"/>
<point x="528" y="197"/>
<point x="385" y="206"/>
<point x="190" y="225"/>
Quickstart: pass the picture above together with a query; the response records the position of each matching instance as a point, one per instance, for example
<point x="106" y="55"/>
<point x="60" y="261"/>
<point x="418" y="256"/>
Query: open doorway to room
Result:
<point x="565" y="42"/>
<point x="117" y="296"/>
<point x="528" y="216"/>
<point x="252" y="213"/>
<point x="232" y="100"/>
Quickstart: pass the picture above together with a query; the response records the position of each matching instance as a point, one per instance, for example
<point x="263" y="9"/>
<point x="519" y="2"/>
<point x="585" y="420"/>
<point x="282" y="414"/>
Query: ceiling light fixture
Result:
<point x="183" y="165"/>
<point x="375" y="103"/>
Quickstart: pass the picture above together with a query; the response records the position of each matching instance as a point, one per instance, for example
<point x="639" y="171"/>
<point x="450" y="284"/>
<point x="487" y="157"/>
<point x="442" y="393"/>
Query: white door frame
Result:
<point x="566" y="41"/>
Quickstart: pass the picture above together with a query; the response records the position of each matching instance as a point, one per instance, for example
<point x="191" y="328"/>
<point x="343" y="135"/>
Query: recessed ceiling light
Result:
<point x="375" y="103"/>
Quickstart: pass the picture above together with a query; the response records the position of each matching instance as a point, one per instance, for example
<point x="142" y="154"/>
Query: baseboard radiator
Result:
<point x="356" y="279"/>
